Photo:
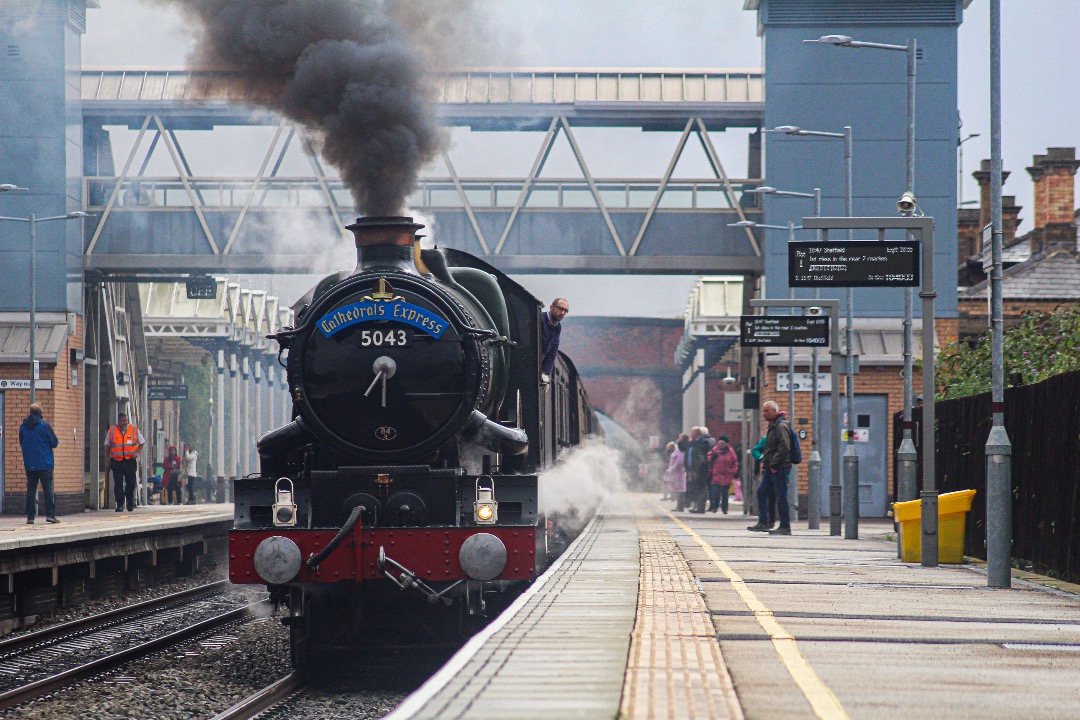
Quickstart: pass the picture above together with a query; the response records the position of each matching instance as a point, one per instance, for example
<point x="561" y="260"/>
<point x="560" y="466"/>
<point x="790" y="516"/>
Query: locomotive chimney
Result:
<point x="385" y="243"/>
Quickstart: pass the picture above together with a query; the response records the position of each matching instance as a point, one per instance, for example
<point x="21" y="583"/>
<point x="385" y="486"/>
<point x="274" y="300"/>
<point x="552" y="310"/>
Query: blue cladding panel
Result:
<point x="871" y="12"/>
<point x="824" y="88"/>
<point x="41" y="137"/>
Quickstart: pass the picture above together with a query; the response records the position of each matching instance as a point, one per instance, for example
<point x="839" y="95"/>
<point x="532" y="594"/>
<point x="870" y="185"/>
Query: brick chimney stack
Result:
<point x="1010" y="211"/>
<point x="982" y="176"/>
<point x="1054" y="177"/>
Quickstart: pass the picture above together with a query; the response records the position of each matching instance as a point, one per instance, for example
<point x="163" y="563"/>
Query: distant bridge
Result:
<point x="586" y="224"/>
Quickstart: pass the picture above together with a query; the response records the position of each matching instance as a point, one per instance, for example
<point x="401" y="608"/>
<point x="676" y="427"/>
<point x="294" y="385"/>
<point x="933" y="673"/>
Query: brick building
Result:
<point x="628" y="370"/>
<point x="59" y="390"/>
<point x="879" y="395"/>
<point x="1041" y="269"/>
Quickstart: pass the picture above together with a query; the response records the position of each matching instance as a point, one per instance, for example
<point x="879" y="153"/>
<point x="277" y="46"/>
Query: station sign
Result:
<point x="784" y="330"/>
<point x="854" y="263"/>
<point x="24" y="384"/>
<point x="804" y="382"/>
<point x="167" y="392"/>
<point x="202" y="288"/>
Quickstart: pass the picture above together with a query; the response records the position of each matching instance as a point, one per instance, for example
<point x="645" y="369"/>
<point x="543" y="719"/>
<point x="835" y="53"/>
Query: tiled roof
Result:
<point x="1052" y="277"/>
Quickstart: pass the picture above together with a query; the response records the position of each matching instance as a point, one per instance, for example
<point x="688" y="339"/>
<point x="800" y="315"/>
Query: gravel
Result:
<point x="368" y="686"/>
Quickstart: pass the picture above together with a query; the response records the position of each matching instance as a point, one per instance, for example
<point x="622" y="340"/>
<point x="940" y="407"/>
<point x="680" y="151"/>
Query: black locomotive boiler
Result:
<point x="403" y="495"/>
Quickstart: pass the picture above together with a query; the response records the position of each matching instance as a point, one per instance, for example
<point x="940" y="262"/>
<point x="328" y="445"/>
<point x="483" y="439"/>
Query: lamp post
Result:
<point x="906" y="455"/>
<point x="960" y="168"/>
<point x="33" y="220"/>
<point x="998" y="445"/>
<point x="793" y="487"/>
<point x="813" y="477"/>
<point x="851" y="457"/>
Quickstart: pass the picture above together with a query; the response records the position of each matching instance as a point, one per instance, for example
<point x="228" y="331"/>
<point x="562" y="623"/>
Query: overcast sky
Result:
<point x="1041" y="69"/>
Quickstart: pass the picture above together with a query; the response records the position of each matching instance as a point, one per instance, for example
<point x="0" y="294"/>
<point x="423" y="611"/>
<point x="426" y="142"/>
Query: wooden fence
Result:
<point x="1043" y="422"/>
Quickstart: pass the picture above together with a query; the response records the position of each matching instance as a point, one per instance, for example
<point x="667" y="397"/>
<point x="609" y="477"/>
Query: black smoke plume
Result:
<point x="345" y="70"/>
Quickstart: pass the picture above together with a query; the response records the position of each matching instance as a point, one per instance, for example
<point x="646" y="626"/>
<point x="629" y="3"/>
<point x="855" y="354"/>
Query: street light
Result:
<point x="8" y="187"/>
<point x="33" y="220"/>
<point x="791" y="228"/>
<point x="998" y="444"/>
<point x="813" y="473"/>
<point x="906" y="455"/>
<point x="960" y="168"/>
<point x="851" y="457"/>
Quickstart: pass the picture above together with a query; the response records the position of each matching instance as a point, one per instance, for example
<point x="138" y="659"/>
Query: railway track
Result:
<point x="257" y="703"/>
<point x="368" y="685"/>
<point x="40" y="663"/>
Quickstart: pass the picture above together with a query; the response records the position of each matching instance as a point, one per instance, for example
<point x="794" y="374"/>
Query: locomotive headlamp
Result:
<point x="284" y="507"/>
<point x="485" y="509"/>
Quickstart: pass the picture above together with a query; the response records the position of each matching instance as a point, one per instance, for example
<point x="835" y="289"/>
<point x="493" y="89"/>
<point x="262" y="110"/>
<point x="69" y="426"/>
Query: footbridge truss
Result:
<point x="185" y="223"/>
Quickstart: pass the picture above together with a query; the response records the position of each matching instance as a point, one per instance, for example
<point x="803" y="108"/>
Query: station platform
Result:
<point x="650" y="614"/>
<point x="16" y="534"/>
<point x="102" y="553"/>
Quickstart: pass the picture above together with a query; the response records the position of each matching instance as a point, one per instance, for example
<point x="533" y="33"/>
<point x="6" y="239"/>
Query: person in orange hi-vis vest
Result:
<point x="124" y="442"/>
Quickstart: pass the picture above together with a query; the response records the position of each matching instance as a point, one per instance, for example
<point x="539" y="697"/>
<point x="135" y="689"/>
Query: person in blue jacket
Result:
<point x="37" y="440"/>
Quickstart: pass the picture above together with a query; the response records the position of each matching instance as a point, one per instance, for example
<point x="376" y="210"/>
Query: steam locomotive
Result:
<point x="403" y="495"/>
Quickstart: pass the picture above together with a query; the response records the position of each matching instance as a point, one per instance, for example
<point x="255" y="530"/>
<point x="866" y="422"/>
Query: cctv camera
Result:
<point x="906" y="203"/>
<point x="815" y="311"/>
<point x="729" y="380"/>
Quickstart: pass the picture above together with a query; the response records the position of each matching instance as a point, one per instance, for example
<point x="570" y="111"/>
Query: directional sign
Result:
<point x="804" y="382"/>
<point x="24" y="384"/>
<point x="856" y="263"/>
<point x="784" y="330"/>
<point x="167" y="392"/>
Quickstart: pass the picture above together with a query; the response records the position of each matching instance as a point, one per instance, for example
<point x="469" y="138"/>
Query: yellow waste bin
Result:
<point x="952" y="517"/>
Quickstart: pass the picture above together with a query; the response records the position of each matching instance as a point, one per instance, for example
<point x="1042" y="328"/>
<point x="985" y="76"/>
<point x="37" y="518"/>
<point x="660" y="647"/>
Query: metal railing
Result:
<point x="169" y="193"/>
<point x="484" y="86"/>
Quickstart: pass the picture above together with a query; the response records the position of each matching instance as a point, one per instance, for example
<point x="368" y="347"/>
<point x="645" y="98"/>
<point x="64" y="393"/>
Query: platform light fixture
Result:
<point x="284" y="505"/>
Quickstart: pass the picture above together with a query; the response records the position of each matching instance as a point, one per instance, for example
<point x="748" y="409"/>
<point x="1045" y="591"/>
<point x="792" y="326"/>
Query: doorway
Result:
<point x="871" y="443"/>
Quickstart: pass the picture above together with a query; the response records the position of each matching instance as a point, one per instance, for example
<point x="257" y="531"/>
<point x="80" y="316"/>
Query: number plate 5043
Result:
<point x="382" y="338"/>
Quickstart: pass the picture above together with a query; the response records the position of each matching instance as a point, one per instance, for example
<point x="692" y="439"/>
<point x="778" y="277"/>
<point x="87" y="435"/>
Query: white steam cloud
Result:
<point x="582" y="479"/>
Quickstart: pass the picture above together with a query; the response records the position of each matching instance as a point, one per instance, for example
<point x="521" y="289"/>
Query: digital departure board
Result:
<point x="784" y="330"/>
<point x="854" y="263"/>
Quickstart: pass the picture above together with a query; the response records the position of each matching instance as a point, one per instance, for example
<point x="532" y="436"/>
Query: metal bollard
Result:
<point x="792" y="493"/>
<point x="906" y="479"/>
<point x="813" y="491"/>
<point x="851" y="493"/>
<point x="929" y="528"/>
<point x="998" y="508"/>
<point x="834" y="509"/>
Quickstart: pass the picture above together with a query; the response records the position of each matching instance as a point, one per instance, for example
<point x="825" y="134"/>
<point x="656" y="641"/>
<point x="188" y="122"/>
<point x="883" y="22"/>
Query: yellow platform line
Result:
<point x="824" y="703"/>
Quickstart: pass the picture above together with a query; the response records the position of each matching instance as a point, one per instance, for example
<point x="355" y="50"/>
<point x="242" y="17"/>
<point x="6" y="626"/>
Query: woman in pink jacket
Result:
<point x="675" y="475"/>
<point x="723" y="468"/>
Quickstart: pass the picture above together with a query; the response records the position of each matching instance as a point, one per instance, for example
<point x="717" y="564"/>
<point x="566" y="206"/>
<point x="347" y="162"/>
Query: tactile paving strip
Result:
<point x="675" y="668"/>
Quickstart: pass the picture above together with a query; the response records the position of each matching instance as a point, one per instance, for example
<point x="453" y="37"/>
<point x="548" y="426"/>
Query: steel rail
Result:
<point x="61" y="680"/>
<point x="102" y="619"/>
<point x="264" y="699"/>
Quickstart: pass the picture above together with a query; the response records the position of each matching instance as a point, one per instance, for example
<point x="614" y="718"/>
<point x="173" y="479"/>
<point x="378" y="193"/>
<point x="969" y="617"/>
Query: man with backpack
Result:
<point x="781" y="450"/>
